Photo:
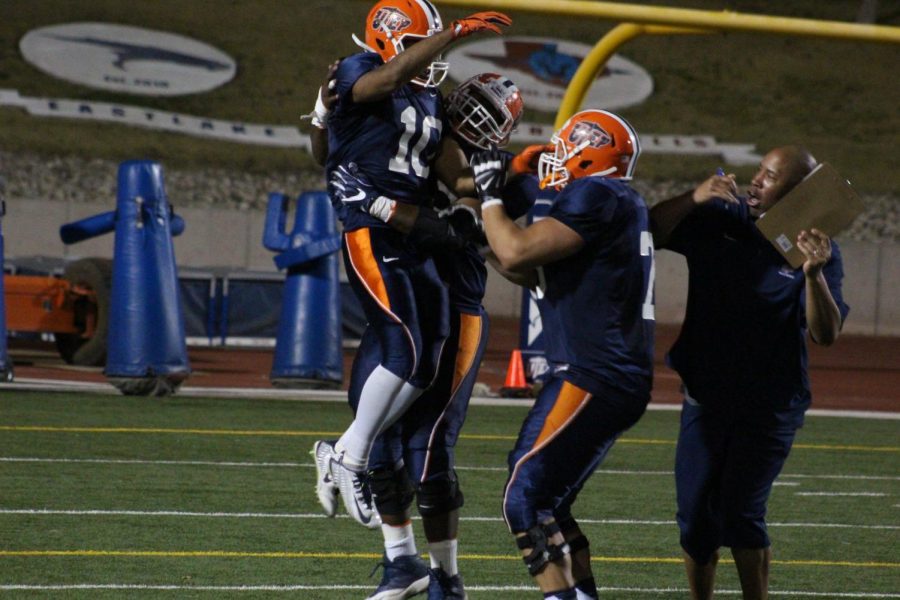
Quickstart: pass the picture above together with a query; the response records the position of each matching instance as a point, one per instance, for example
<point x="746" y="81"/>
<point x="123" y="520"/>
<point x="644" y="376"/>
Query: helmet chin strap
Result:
<point x="602" y="173"/>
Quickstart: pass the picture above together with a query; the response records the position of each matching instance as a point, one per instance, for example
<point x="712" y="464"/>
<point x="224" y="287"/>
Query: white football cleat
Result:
<point x="326" y="487"/>
<point x="357" y="497"/>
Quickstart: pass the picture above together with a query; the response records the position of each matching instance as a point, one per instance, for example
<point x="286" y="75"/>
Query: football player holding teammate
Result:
<point x="592" y="258"/>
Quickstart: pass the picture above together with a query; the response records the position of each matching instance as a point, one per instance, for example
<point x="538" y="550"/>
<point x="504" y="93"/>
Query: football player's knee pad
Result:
<point x="542" y="551"/>
<point x="392" y="490"/>
<point x="577" y="541"/>
<point x="439" y="496"/>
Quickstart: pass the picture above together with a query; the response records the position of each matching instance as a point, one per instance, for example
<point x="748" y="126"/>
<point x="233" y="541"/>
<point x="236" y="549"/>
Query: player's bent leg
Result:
<point x="580" y="551"/>
<point x="386" y="294"/>
<point x="546" y="555"/>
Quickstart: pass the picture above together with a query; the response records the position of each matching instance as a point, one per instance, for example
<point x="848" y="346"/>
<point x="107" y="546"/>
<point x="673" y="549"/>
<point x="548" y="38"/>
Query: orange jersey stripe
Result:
<point x="470" y="327"/>
<point x="569" y="401"/>
<point x="359" y="244"/>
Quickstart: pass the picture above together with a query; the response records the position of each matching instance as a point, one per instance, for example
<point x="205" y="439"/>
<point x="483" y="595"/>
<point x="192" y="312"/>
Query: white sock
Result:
<point x="443" y="556"/>
<point x="402" y="401"/>
<point x="375" y="400"/>
<point x="398" y="541"/>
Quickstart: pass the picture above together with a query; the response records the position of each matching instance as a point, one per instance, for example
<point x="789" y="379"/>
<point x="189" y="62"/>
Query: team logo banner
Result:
<point x="126" y="59"/>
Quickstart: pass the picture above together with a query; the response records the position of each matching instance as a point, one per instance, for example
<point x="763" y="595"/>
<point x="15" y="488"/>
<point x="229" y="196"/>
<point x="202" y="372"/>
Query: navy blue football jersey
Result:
<point x="393" y="141"/>
<point x="597" y="305"/>
<point x="743" y="341"/>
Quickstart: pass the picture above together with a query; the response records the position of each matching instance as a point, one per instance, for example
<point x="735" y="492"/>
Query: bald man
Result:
<point x="741" y="355"/>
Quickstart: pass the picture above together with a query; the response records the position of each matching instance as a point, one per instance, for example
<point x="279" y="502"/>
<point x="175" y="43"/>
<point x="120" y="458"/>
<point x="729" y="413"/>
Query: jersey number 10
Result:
<point x="408" y="160"/>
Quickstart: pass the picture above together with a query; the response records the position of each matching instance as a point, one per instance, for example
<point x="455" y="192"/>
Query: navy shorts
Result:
<point x="404" y="300"/>
<point x="724" y="471"/>
<point x="564" y="438"/>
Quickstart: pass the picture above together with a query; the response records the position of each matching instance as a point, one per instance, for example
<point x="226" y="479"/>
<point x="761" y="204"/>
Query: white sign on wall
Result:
<point x="127" y="59"/>
<point x="543" y="67"/>
<point x="291" y="137"/>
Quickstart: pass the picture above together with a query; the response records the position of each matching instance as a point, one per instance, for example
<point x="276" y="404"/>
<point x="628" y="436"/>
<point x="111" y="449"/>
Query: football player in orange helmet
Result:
<point x="387" y="127"/>
<point x="592" y="257"/>
<point x="592" y="143"/>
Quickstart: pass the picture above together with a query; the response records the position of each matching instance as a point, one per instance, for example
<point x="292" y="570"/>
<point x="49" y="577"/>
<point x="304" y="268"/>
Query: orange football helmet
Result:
<point x="594" y="143"/>
<point x="485" y="109"/>
<point x="394" y="25"/>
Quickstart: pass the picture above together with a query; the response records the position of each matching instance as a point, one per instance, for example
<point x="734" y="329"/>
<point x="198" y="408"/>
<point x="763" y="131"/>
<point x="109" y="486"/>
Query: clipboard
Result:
<point x="823" y="200"/>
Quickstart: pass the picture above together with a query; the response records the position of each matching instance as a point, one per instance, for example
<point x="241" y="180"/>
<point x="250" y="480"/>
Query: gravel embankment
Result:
<point x="88" y="180"/>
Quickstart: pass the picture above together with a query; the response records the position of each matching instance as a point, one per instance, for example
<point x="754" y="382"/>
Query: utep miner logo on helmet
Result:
<point x="391" y="19"/>
<point x="595" y="135"/>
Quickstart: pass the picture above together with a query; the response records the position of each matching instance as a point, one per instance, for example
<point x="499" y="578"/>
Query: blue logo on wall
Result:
<point x="129" y="52"/>
<point x="127" y="59"/>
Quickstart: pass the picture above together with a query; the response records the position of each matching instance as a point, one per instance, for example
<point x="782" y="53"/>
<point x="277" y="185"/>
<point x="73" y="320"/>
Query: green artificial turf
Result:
<point x="211" y="495"/>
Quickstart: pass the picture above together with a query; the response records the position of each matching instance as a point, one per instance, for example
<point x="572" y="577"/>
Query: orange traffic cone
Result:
<point x="515" y="386"/>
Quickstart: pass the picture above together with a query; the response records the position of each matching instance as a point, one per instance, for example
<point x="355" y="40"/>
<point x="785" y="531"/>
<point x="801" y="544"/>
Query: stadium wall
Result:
<point x="220" y="237"/>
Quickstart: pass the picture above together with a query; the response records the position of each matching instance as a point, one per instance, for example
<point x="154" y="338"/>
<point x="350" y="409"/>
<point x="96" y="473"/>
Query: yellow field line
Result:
<point x="370" y="555"/>
<point x="334" y="434"/>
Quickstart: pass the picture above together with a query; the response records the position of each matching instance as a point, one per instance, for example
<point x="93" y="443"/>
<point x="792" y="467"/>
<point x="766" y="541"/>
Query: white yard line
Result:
<point x="473" y="588"/>
<point x="298" y="465"/>
<point x="854" y="494"/>
<point x="341" y="396"/>
<point x="259" y="515"/>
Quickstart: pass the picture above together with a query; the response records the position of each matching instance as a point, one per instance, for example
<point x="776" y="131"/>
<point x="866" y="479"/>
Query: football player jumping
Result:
<point x="415" y="457"/>
<point x="386" y="129"/>
<point x="593" y="258"/>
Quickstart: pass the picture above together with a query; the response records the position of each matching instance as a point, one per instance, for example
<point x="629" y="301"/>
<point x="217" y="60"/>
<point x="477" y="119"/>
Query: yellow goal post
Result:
<point x="636" y="20"/>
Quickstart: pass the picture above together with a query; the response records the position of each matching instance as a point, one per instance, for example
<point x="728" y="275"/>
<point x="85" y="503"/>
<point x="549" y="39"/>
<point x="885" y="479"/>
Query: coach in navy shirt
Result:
<point x="742" y="358"/>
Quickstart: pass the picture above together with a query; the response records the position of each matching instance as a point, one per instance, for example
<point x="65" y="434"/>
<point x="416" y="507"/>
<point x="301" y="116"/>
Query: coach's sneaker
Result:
<point x="357" y="497"/>
<point x="327" y="490"/>
<point x="403" y="577"/>
<point x="445" y="587"/>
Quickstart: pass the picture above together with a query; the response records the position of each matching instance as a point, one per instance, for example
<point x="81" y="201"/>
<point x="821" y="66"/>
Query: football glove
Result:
<point x="480" y="21"/>
<point x="489" y="169"/>
<point x="353" y="188"/>
<point x="526" y="161"/>
<point x="465" y="223"/>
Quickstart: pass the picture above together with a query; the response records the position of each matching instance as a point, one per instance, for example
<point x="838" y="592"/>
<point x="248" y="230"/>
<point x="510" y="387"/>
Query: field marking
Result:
<point x="259" y="515"/>
<point x="298" y="465"/>
<point x="375" y="556"/>
<point x="473" y="588"/>
<point x="332" y="434"/>
<point x="297" y="395"/>
<point x="866" y="494"/>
